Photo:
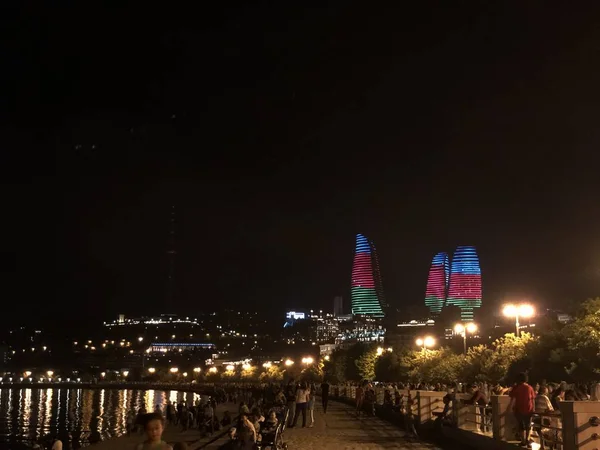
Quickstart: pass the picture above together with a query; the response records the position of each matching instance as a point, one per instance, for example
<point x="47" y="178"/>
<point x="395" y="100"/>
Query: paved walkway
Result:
<point x="340" y="429"/>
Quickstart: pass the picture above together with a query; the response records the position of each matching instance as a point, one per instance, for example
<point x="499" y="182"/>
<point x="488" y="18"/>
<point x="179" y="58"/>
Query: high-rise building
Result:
<point x="437" y="283"/>
<point x="338" y="306"/>
<point x="367" y="291"/>
<point x="464" y="290"/>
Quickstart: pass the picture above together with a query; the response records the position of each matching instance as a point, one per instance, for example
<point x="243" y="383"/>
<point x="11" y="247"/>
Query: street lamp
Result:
<point x="289" y="362"/>
<point x="523" y="310"/>
<point x="197" y="369"/>
<point x="308" y="360"/>
<point x="125" y="373"/>
<point x="462" y="330"/>
<point x="151" y="370"/>
<point x="230" y="367"/>
<point x="379" y="351"/>
<point x="427" y="341"/>
<point x="267" y="365"/>
<point x="50" y="373"/>
<point x="173" y="370"/>
<point x="213" y="370"/>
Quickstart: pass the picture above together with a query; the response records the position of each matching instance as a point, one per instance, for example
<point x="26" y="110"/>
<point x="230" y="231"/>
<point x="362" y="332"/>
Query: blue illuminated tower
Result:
<point x="465" y="282"/>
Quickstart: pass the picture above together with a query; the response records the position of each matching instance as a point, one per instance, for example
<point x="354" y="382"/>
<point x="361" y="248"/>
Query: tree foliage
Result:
<point x="435" y="366"/>
<point x="560" y="352"/>
<point x="366" y="363"/>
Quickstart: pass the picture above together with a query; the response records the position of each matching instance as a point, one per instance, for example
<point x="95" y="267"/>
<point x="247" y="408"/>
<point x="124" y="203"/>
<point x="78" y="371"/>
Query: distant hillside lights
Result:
<point x="165" y="319"/>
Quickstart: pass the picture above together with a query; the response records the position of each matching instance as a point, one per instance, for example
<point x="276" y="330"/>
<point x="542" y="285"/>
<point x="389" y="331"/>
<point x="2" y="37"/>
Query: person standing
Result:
<point x="311" y="404"/>
<point x="522" y="400"/>
<point x="290" y="397"/>
<point x="324" y="395"/>
<point x="302" y="394"/>
<point x="360" y="397"/>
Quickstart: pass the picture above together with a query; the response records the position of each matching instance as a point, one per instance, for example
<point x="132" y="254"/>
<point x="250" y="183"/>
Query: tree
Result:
<point x="435" y="366"/>
<point x="366" y="363"/>
<point x="273" y="373"/>
<point x="477" y="363"/>
<point x="583" y="342"/>
<point x="392" y="366"/>
<point x="506" y="351"/>
<point x="312" y="374"/>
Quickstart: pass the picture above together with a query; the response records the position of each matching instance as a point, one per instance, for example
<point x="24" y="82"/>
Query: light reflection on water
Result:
<point x="28" y="414"/>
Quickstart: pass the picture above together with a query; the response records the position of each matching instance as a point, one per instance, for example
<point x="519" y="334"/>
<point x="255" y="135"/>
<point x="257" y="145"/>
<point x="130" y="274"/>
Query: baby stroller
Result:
<point x="275" y="440"/>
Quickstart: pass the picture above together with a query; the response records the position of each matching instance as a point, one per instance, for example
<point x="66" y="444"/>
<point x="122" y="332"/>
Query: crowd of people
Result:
<point x="263" y="410"/>
<point x="535" y="407"/>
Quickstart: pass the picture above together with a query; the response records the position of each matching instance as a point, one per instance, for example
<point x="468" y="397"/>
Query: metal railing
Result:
<point x="423" y="406"/>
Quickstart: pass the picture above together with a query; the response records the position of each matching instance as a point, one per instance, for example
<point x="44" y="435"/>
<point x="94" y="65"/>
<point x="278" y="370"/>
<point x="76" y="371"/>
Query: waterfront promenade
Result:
<point x="340" y="429"/>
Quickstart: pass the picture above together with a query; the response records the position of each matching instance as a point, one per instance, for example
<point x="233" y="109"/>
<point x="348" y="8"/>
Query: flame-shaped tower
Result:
<point x="437" y="283"/>
<point x="465" y="282"/>
<point x="367" y="291"/>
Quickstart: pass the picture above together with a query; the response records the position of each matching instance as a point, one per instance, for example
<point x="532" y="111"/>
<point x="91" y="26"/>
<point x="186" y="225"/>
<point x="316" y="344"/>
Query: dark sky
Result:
<point x="279" y="132"/>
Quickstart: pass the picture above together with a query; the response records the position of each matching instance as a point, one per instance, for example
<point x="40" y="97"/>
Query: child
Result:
<point x="154" y="425"/>
<point x="269" y="426"/>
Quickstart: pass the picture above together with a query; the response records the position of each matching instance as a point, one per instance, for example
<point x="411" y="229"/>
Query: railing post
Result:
<point x="427" y="402"/>
<point x="580" y="425"/>
<point x="504" y="424"/>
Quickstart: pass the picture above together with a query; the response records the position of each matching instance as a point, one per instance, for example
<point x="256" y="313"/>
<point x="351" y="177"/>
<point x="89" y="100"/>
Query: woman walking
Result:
<point x="312" y="393"/>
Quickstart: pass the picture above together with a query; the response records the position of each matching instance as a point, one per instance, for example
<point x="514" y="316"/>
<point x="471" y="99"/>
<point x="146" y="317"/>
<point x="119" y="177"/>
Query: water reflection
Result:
<point x="29" y="414"/>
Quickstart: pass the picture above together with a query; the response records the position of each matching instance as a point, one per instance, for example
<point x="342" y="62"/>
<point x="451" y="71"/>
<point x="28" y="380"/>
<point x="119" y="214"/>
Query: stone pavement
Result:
<point x="340" y="429"/>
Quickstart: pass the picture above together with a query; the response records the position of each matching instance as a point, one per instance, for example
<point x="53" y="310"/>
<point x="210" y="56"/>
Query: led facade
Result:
<point x="465" y="282"/>
<point x="366" y="290"/>
<point x="437" y="283"/>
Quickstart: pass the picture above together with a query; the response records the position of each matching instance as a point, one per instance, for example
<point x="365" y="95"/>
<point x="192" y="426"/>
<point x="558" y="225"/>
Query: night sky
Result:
<point x="279" y="132"/>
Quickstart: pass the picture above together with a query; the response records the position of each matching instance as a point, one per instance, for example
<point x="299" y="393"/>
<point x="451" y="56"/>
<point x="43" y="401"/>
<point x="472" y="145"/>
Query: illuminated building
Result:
<point x="437" y="283"/>
<point x="295" y="315"/>
<point x="365" y="328"/>
<point x="180" y="346"/>
<point x="367" y="292"/>
<point x="464" y="290"/>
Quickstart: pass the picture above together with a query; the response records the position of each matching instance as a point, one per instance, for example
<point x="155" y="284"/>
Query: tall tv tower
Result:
<point x="171" y="261"/>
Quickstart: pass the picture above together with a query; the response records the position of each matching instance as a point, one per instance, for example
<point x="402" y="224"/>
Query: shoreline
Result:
<point x="188" y="387"/>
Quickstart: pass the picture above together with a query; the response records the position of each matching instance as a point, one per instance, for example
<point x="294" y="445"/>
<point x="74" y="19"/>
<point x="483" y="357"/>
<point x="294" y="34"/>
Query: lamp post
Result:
<point x="461" y="329"/>
<point x="427" y="341"/>
<point x="523" y="310"/>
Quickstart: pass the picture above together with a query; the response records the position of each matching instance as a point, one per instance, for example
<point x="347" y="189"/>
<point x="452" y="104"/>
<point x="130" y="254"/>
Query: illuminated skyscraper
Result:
<point x="367" y="291"/>
<point x="437" y="283"/>
<point x="465" y="282"/>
